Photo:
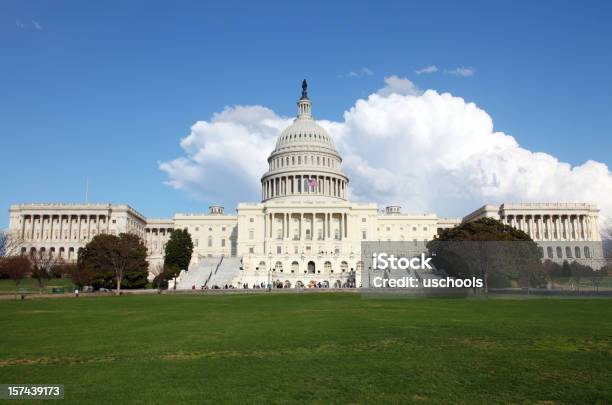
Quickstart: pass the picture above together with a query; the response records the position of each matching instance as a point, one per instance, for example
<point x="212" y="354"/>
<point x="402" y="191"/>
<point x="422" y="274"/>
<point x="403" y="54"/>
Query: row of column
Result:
<point x="304" y="185"/>
<point x="556" y="227"/>
<point x="303" y="229"/>
<point x="156" y="238"/>
<point x="66" y="225"/>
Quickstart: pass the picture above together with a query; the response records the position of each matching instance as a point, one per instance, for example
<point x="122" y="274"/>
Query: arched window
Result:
<point x="568" y="252"/>
<point x="327" y="266"/>
<point x="295" y="266"/>
<point x="549" y="252"/>
<point x="587" y="252"/>
<point x="278" y="267"/>
<point x="559" y="252"/>
<point x="577" y="252"/>
<point x="359" y="265"/>
<point x="261" y="266"/>
<point x="343" y="266"/>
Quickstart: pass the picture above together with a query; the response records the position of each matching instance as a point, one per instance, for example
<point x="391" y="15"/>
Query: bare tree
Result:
<point x="43" y="265"/>
<point x="10" y="243"/>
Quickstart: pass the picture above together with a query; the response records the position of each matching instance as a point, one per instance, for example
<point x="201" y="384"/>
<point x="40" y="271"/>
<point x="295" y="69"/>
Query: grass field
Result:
<point x="324" y="348"/>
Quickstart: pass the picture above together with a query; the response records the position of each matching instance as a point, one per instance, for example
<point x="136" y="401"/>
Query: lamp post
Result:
<point x="269" y="271"/>
<point x="269" y="279"/>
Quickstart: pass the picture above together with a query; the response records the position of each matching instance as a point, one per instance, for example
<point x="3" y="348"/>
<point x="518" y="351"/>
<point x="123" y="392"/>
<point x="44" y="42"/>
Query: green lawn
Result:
<point x="324" y="348"/>
<point x="31" y="285"/>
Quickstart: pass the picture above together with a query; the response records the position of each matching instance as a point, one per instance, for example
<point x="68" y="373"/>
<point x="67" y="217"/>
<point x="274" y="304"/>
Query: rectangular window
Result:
<point x="364" y="235"/>
<point x="195" y="242"/>
<point x="251" y="250"/>
<point x="251" y="234"/>
<point x="222" y="242"/>
<point x="209" y="242"/>
<point x="279" y="250"/>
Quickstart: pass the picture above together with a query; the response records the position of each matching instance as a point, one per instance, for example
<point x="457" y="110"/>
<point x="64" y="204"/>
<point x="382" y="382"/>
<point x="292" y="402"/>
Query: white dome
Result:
<point x="304" y="131"/>
<point x="304" y="163"/>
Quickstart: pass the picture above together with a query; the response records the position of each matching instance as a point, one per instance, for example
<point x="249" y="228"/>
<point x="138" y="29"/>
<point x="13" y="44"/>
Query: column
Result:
<point x="265" y="227"/>
<point x="575" y="233"/>
<point x="42" y="227"/>
<point x="324" y="222"/>
<point x="346" y="225"/>
<point x="312" y="226"/>
<point x="51" y="236"/>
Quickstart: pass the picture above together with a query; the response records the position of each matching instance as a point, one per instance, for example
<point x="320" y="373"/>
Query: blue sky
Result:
<point x="106" y="90"/>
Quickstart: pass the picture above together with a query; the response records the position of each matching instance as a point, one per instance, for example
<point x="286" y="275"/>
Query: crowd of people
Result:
<point x="273" y="284"/>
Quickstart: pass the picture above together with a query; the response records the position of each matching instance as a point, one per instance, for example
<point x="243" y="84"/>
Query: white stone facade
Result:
<point x="304" y="229"/>
<point x="564" y="231"/>
<point x="61" y="229"/>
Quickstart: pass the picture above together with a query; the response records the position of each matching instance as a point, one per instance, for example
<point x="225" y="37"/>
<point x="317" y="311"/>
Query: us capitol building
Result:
<point x="304" y="230"/>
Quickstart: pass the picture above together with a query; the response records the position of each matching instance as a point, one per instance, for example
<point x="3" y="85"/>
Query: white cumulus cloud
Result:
<point x="399" y="85"/>
<point x="461" y="71"/>
<point x="426" y="151"/>
<point x="427" y="70"/>
<point x="364" y="71"/>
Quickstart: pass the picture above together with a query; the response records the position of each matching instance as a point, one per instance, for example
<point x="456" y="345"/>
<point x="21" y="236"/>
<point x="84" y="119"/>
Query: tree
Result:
<point x="607" y="242"/>
<point x="551" y="269"/>
<point x="566" y="270"/>
<point x="488" y="249"/>
<point x="15" y="268"/>
<point x="160" y="276"/>
<point x="10" y="243"/>
<point x="179" y="249"/>
<point x="116" y="259"/>
<point x="80" y="274"/>
<point x="43" y="264"/>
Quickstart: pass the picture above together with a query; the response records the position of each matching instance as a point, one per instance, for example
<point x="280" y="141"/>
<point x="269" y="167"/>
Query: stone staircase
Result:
<point x="228" y="272"/>
<point x="197" y="275"/>
<point x="208" y="272"/>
